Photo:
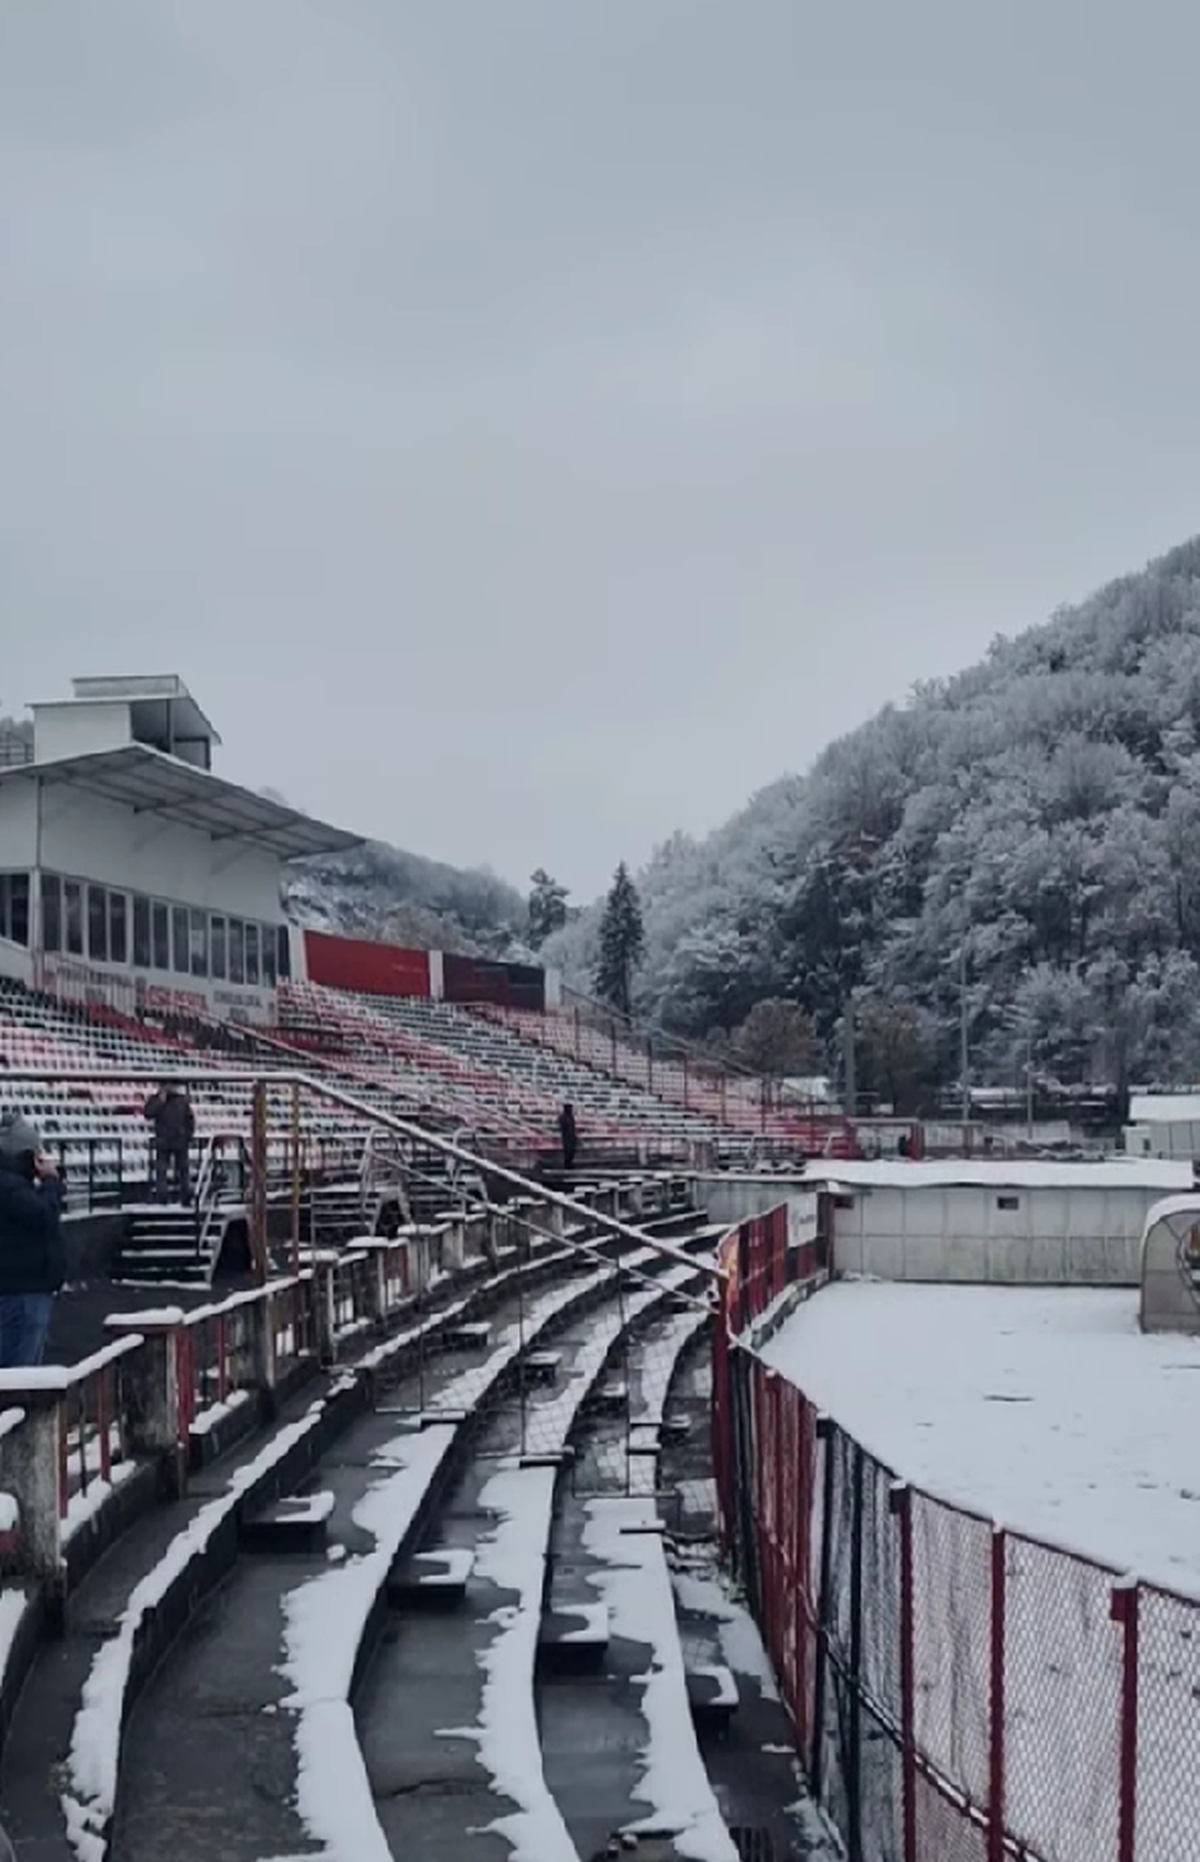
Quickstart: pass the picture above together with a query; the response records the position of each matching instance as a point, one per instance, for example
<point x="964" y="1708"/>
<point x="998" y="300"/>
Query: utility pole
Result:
<point x="848" y="1069"/>
<point x="1029" y="1087"/>
<point x="964" y="1042"/>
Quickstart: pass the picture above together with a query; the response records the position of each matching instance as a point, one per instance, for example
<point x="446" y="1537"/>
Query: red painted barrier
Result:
<point x="366" y="968"/>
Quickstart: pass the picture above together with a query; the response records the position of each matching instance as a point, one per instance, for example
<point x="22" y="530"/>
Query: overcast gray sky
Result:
<point x="531" y="427"/>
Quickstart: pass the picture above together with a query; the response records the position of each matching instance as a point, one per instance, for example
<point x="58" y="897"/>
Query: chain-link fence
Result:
<point x="960" y="1693"/>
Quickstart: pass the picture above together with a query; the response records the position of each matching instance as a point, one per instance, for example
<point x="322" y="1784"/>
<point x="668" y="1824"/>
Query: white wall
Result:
<point x="79" y="730"/>
<point x="87" y="838"/>
<point x="15" y="962"/>
<point x="18" y="826"/>
<point x="1164" y="1138"/>
<point x="1053" y="1236"/>
<point x="1081" y="1224"/>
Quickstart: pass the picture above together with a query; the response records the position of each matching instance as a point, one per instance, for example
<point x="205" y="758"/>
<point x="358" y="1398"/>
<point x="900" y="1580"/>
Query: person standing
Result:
<point x="32" y="1256"/>
<point x="169" y="1112"/>
<point x="569" y="1135"/>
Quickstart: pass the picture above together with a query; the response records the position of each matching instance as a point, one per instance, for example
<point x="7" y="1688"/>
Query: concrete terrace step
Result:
<point x="432" y="1580"/>
<point x="382" y="1464"/>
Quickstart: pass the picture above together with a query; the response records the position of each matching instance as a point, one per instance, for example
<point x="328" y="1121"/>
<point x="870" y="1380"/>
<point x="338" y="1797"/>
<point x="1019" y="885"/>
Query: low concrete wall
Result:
<point x="1012" y="1225"/>
<point x="730" y="1198"/>
<point x="1020" y="1236"/>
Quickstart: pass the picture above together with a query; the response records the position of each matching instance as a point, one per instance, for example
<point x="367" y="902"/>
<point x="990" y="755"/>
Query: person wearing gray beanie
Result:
<point x="31" y="1245"/>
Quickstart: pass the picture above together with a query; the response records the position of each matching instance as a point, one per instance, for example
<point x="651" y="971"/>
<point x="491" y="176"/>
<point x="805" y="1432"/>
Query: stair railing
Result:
<point x="386" y="1163"/>
<point x="213" y="1182"/>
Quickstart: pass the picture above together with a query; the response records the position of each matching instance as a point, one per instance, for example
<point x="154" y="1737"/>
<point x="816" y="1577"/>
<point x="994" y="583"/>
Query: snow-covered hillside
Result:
<point x="379" y="891"/>
<point x="1028" y="831"/>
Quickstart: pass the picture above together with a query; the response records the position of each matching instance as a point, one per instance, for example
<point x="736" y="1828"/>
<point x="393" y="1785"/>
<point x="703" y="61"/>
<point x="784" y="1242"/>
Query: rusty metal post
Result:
<point x="296" y="1177"/>
<point x="258" y="1182"/>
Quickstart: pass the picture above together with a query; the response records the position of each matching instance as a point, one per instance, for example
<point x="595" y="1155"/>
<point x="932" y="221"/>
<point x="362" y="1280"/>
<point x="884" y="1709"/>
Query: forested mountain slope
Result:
<point x="384" y="892"/>
<point x="1033" y="823"/>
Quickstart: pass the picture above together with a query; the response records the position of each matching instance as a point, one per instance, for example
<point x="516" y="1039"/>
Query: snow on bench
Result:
<point x="514" y="1559"/>
<point x="636" y="1585"/>
<point x="326" y="1618"/>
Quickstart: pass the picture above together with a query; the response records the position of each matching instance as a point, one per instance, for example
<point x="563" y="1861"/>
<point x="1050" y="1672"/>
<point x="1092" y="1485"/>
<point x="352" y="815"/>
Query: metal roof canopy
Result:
<point x="152" y="783"/>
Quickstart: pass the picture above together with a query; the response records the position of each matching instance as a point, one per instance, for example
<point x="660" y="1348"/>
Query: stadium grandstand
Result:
<point x="378" y="1205"/>
<point x="397" y="1426"/>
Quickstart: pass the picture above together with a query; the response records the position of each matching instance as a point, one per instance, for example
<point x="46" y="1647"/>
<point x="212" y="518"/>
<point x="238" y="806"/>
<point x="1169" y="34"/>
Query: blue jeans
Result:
<point x="24" y="1323"/>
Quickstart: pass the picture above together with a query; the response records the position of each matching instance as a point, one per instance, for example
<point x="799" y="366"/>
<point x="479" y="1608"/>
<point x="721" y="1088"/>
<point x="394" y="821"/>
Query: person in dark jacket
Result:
<point x="569" y="1134"/>
<point x="31" y="1246"/>
<point x="170" y="1113"/>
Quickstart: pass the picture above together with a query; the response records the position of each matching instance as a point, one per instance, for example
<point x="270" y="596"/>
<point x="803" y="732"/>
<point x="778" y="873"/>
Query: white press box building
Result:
<point x="129" y="872"/>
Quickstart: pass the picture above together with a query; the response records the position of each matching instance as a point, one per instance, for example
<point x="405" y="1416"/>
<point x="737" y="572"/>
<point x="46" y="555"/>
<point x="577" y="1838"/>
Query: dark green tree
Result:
<point x="622" y="942"/>
<point x="547" y="907"/>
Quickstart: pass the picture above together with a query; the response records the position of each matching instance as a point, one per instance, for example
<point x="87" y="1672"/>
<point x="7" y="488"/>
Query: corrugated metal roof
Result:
<point x="150" y="782"/>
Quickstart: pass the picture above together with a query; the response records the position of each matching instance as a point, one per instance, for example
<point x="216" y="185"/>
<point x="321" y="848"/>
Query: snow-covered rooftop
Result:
<point x="1153" y="1173"/>
<point x="1164" y="1108"/>
<point x="1046" y="1408"/>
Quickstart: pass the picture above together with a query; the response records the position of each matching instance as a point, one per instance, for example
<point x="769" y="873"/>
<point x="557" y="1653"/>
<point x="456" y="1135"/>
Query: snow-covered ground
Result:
<point x="1046" y="1408"/>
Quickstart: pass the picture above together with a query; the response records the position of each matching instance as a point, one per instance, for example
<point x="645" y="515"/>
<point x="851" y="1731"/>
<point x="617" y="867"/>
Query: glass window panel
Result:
<point x="237" y="951"/>
<point x="141" y="933"/>
<point x="52" y="925"/>
<point x="73" y="901"/>
<point x="162" y="936"/>
<point x="217" y="949"/>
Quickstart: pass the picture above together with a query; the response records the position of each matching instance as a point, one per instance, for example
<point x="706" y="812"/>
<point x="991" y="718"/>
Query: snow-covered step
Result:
<point x="297" y="1523"/>
<point x="472" y="1336"/>
<point x="712" y="1692"/>
<point x="574" y="1638"/>
<point x="434" y="1580"/>
<point x="611" y="1398"/>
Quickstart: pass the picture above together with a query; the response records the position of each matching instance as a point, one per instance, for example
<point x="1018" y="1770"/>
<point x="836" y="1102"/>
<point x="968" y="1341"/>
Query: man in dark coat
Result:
<point x="31" y="1245"/>
<point x="170" y="1113"/>
<point x="569" y="1134"/>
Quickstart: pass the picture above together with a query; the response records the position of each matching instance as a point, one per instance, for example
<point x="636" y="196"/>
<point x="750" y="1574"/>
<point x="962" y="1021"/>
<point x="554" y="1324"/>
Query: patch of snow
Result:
<point x="636" y="1585"/>
<point x="309" y="1509"/>
<point x="10" y="1513"/>
<point x="325" y="1620"/>
<point x="741" y="1644"/>
<point x="1002" y="1173"/>
<point x="157" y="1316"/>
<point x="10" y="1419"/>
<point x="64" y="1376"/>
<point x="514" y="1559"/>
<point x="83" y="1506"/>
<point x="207" y="1419"/>
<point x="1044" y="1407"/>
<point x="13" y="1603"/>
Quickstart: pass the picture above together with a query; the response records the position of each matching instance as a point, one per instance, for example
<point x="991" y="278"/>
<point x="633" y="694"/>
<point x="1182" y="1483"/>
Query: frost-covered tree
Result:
<point x="622" y="942"/>
<point x="1042" y="809"/>
<point x="547" y="907"/>
<point x="777" y="1038"/>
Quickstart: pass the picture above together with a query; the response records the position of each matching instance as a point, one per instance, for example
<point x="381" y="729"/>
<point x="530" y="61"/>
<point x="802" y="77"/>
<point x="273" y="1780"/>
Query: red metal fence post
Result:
<point x="995" y="1848"/>
<point x="901" y="1500"/>
<point x="1126" y="1600"/>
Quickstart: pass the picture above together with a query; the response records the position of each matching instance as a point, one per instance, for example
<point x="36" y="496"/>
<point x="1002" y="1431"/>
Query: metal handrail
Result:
<point x="389" y="1121"/>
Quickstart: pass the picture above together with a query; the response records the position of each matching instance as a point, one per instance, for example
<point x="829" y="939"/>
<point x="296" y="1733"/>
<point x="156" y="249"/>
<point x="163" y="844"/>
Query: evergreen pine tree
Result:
<point x="547" y="907"/>
<point x="622" y="941"/>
